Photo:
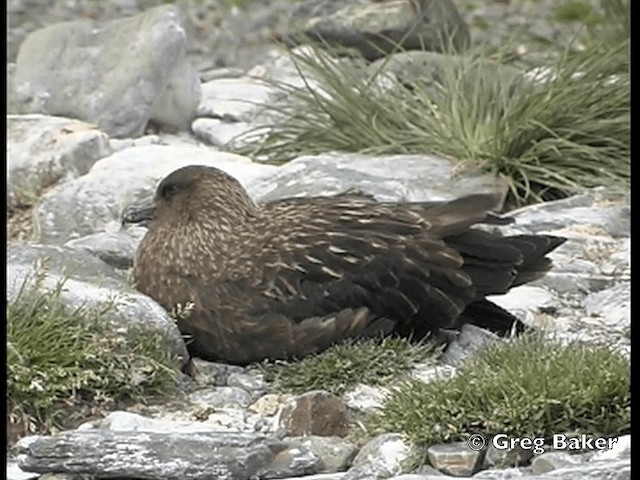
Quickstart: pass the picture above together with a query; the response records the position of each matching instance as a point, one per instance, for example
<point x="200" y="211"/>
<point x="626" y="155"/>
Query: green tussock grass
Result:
<point x="527" y="387"/>
<point x="63" y="364"/>
<point x="348" y="364"/>
<point x="547" y="139"/>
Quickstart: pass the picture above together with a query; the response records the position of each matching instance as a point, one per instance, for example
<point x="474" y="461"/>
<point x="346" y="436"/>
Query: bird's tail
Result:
<point x="534" y="249"/>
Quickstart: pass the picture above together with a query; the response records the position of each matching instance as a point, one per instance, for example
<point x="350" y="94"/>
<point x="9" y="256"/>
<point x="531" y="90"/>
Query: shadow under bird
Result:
<point x="292" y="277"/>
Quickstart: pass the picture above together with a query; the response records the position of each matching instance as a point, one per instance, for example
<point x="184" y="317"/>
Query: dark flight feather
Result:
<point x="292" y="277"/>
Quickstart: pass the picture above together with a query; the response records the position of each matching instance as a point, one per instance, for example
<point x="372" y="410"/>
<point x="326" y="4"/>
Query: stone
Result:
<point x="610" y="470"/>
<point x="382" y="457"/>
<point x="121" y="421"/>
<point x="298" y="461"/>
<point x="252" y="382"/>
<point x="94" y="202"/>
<point x="235" y="99"/>
<point x="411" y="178"/>
<point x="220" y="397"/>
<point x="365" y="398"/>
<point x="138" y="72"/>
<point x="15" y="473"/>
<point x="334" y="453"/>
<point x="212" y="373"/>
<point x="315" y="413"/>
<point x="429" y="373"/>
<point x="221" y="133"/>
<point x="549" y="461"/>
<point x="470" y="340"/>
<point x="614" y="219"/>
<point x="455" y="458"/>
<point x="525" y="298"/>
<point x="613" y="305"/>
<point x="501" y="458"/>
<point x="621" y="450"/>
<point x="116" y="249"/>
<point x="270" y="404"/>
<point x="44" y="150"/>
<point x="91" y="283"/>
<point x="149" y="455"/>
<point x="375" y="29"/>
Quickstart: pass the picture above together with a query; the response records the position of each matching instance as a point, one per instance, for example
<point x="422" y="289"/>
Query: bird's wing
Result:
<point x="332" y="254"/>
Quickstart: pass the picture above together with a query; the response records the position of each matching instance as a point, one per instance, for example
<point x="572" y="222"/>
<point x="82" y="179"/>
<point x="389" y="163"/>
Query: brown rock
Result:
<point x="315" y="413"/>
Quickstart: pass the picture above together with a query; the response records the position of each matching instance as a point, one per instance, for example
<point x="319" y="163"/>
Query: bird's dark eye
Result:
<point x="168" y="190"/>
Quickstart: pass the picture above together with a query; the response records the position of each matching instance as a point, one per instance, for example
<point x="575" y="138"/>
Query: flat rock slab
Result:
<point x="410" y="178"/>
<point x="42" y="150"/>
<point x="148" y="455"/>
<point x="117" y="75"/>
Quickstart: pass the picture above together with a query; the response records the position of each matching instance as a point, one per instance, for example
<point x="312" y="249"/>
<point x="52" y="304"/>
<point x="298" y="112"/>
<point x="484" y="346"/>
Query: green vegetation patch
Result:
<point x="566" y="131"/>
<point x="527" y="387"/>
<point x="575" y="11"/>
<point x="345" y="365"/>
<point x="63" y="364"/>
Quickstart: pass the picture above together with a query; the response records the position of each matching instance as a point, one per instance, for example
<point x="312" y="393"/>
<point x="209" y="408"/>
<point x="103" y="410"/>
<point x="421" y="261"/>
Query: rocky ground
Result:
<point x="195" y="76"/>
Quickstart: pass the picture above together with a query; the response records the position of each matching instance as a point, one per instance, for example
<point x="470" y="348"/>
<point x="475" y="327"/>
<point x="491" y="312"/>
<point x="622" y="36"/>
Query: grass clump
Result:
<point x="527" y="387"/>
<point x="64" y="365"/>
<point x="345" y="365"/>
<point x="548" y="138"/>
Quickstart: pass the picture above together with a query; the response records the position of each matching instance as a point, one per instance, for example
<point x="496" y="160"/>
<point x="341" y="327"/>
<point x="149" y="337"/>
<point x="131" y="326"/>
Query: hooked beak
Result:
<point x="140" y="213"/>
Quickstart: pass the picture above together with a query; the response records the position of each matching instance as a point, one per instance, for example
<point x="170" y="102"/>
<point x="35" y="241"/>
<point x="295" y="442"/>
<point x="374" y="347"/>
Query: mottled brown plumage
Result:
<point x="292" y="277"/>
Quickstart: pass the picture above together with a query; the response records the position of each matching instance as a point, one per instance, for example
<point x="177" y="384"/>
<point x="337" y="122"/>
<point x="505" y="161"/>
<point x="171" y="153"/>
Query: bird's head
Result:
<point x="194" y="194"/>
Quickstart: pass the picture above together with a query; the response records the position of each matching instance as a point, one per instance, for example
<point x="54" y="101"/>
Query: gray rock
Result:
<point x="614" y="219"/>
<point x="315" y="413"/>
<point x="148" y="455"/>
<point x="455" y="459"/>
<point x="365" y="398"/>
<point x="212" y="373"/>
<point x="221" y="133"/>
<point x="94" y="202"/>
<point x="387" y="178"/>
<point x="621" y="450"/>
<point x="235" y="99"/>
<point x="602" y="470"/>
<point x="502" y="458"/>
<point x="15" y="473"/>
<point x="44" y="150"/>
<point x="430" y="373"/>
<point x="296" y="461"/>
<point x="376" y="28"/>
<point x="91" y="283"/>
<point x="219" y="397"/>
<point x="524" y="299"/>
<point x="117" y="75"/>
<point x="120" y="421"/>
<point x="549" y="461"/>
<point x="252" y="382"/>
<point x="334" y="454"/>
<point x="470" y="340"/>
<point x="382" y="457"/>
<point x="117" y="248"/>
<point x="320" y="476"/>
<point x="613" y="305"/>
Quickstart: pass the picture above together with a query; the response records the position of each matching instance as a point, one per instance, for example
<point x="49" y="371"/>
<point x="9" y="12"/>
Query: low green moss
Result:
<point x="64" y="363"/>
<point x="575" y="11"/>
<point x="527" y="387"/>
<point x="345" y="365"/>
